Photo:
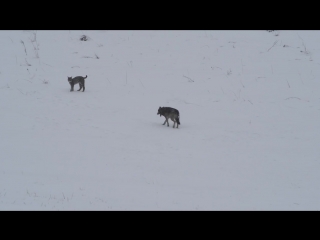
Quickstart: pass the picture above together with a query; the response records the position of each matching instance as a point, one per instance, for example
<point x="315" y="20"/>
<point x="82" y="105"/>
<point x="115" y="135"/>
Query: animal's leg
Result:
<point x="80" y="87"/>
<point x="174" y="122"/>
<point x="164" y="122"/>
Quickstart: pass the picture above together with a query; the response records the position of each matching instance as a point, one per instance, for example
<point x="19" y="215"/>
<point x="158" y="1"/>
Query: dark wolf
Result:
<point x="76" y="80"/>
<point x="171" y="113"/>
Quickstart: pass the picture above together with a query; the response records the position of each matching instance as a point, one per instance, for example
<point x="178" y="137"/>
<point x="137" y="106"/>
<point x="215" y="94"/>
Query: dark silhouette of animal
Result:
<point x="171" y="113"/>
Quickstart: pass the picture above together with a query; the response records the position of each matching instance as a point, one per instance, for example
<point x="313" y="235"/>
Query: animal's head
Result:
<point x="159" y="111"/>
<point x="69" y="79"/>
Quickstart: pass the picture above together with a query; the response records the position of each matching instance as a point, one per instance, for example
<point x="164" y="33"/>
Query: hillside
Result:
<point x="249" y="111"/>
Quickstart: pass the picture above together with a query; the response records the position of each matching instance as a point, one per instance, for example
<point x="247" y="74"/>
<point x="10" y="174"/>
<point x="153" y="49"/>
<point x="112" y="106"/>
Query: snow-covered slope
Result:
<point x="249" y="110"/>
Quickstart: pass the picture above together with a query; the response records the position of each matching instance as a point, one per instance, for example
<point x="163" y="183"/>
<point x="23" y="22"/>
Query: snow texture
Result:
<point x="249" y="104"/>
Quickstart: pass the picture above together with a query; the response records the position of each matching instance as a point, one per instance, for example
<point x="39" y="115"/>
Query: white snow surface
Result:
<point x="249" y="104"/>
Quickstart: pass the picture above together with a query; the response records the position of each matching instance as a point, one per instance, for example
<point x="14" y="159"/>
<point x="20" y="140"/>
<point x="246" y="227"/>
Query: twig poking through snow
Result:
<point x="190" y="80"/>
<point x="190" y="103"/>
<point x="7" y="86"/>
<point x="141" y="83"/>
<point x="242" y="84"/>
<point x="288" y="83"/>
<point x="273" y="45"/>
<point x="296" y="98"/>
<point x="25" y="50"/>
<point x="305" y="49"/>
<point x="28" y="64"/>
<point x="241" y="65"/>
<point x="293" y="97"/>
<point x="21" y="91"/>
<point x="48" y="64"/>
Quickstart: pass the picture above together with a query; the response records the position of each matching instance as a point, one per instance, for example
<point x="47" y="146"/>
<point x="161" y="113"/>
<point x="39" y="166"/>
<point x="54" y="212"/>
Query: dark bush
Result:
<point x="84" y="38"/>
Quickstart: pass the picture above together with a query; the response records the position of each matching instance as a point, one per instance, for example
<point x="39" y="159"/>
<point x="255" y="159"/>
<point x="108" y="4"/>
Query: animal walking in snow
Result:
<point x="171" y="113"/>
<point x="77" y="80"/>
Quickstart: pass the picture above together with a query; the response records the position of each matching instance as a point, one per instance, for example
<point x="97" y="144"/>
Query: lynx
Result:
<point x="77" y="80"/>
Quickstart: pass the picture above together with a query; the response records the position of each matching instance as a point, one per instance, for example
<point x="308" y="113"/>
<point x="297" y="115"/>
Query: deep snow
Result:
<point x="249" y="111"/>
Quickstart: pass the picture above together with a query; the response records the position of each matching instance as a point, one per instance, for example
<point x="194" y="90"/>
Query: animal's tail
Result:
<point x="85" y="77"/>
<point x="178" y="120"/>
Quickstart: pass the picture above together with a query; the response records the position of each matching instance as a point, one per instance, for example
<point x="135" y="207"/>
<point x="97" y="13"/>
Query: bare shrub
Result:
<point x="84" y="38"/>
